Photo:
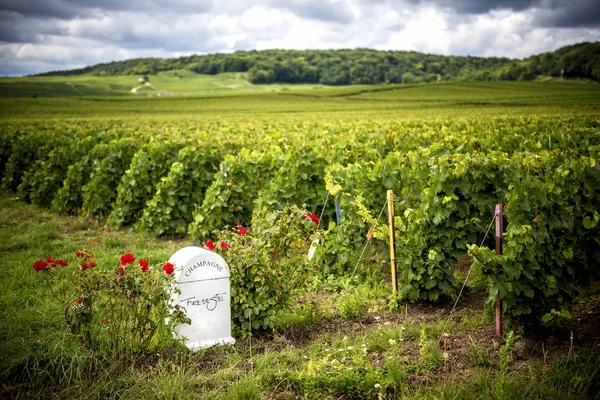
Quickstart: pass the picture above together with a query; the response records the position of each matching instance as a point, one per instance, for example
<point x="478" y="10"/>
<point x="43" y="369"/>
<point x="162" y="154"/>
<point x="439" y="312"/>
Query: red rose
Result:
<point x="120" y="271"/>
<point x="238" y="223"/>
<point x="225" y="246"/>
<point x="127" y="259"/>
<point x="242" y="231"/>
<point x="313" y="218"/>
<point x="62" y="262"/>
<point x="105" y="321"/>
<point x="40" y="265"/>
<point x="49" y="259"/>
<point x="78" y="253"/>
<point x="210" y="245"/>
<point x="84" y="266"/>
<point x="144" y="265"/>
<point x="168" y="268"/>
<point x="93" y="265"/>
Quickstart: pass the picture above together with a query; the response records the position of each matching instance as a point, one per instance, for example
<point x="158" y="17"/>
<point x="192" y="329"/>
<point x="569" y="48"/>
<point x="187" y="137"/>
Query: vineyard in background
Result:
<point x="193" y="178"/>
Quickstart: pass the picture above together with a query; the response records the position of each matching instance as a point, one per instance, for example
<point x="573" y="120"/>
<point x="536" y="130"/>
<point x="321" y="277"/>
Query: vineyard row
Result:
<point x="194" y="180"/>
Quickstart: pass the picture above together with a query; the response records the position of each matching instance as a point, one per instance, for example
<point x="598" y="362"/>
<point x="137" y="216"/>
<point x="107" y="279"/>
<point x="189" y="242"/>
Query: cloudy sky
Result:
<point x="44" y="35"/>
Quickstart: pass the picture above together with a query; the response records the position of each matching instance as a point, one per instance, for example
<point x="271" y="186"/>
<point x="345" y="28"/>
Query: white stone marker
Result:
<point x="203" y="279"/>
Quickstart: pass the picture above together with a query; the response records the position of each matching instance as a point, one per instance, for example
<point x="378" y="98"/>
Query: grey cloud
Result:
<point x="244" y="44"/>
<point x="468" y="6"/>
<point x="40" y="8"/>
<point x="482" y="6"/>
<point x="16" y="29"/>
<point x="86" y="32"/>
<point x="10" y="67"/>
<point x="196" y="44"/>
<point x="320" y="10"/>
<point x="67" y="9"/>
<point x="11" y="64"/>
<point x="168" y="31"/>
<point x="547" y="13"/>
<point x="569" y="14"/>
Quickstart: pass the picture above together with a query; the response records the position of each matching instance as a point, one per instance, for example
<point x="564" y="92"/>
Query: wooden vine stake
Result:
<point x="390" y="201"/>
<point x="499" y="230"/>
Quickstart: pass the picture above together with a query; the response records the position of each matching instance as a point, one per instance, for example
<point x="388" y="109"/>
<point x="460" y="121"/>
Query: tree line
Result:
<point x="364" y="66"/>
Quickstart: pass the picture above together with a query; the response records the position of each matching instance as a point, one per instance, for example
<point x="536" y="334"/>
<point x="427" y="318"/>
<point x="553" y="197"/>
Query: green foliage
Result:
<point x="506" y="351"/>
<point x="257" y="75"/>
<point x="362" y="66"/>
<point x="116" y="311"/>
<point x="450" y="162"/>
<point x="555" y="317"/>
<point x="446" y="174"/>
<point x="298" y="181"/>
<point x="339" y="246"/>
<point x="352" y="305"/>
<point x="549" y="248"/>
<point x="244" y="389"/>
<point x="299" y="314"/>
<point x="429" y="351"/>
<point x="6" y="142"/>
<point x="100" y="191"/>
<point x="230" y="197"/>
<point x="69" y="198"/>
<point x="45" y="176"/>
<point x="349" y="368"/>
<point x="336" y="252"/>
<point x="138" y="183"/>
<point x="24" y="150"/>
<point x="480" y="355"/>
<point x="170" y="209"/>
<point x="395" y="303"/>
<point x="435" y="226"/>
<point x="267" y="264"/>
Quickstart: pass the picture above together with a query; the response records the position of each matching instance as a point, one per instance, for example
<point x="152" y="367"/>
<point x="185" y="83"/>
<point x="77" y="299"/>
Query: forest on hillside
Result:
<point x="364" y="66"/>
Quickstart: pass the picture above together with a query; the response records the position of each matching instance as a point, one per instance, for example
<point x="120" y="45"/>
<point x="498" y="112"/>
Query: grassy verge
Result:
<point x="339" y="340"/>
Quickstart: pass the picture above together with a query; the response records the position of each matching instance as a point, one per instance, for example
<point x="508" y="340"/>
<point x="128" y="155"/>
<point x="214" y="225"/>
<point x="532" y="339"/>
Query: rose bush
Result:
<point x="266" y="263"/>
<point x="123" y="310"/>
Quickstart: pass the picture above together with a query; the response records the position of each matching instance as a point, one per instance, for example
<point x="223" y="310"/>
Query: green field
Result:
<point x="119" y="174"/>
<point x="389" y="101"/>
<point x="178" y="83"/>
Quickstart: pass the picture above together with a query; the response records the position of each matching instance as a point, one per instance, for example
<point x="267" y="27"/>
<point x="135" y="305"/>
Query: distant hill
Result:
<point x="181" y="82"/>
<point x="363" y="66"/>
